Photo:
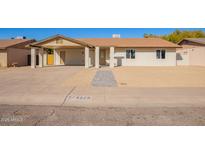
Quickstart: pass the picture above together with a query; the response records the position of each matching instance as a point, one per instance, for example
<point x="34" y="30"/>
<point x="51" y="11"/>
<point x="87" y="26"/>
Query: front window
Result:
<point x="130" y="54"/>
<point x="160" y="54"/>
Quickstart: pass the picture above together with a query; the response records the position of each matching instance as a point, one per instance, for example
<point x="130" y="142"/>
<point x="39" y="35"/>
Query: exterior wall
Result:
<point x="18" y="56"/>
<point x="191" y="56"/>
<point x="145" y="57"/>
<point x="3" y="58"/>
<point x="74" y="57"/>
<point x="77" y="57"/>
<point x="197" y="56"/>
<point x="182" y="57"/>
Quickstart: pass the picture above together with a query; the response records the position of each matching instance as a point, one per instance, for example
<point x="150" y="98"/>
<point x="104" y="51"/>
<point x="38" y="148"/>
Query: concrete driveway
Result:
<point x="26" y="86"/>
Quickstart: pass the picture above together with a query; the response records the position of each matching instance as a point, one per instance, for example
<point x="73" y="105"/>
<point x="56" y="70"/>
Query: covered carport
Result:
<point x="60" y="50"/>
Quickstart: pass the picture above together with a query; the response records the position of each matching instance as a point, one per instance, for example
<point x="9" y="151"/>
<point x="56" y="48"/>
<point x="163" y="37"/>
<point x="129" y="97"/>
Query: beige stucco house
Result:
<point x="192" y="52"/>
<point x="96" y="52"/>
<point x="13" y="52"/>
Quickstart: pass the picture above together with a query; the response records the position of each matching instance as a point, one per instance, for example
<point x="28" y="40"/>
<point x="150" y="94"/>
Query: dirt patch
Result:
<point x="160" y="76"/>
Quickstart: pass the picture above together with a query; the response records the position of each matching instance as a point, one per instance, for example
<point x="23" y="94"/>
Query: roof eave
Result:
<point x="31" y="45"/>
<point x="148" y="46"/>
<point x="13" y="45"/>
<point x="187" y="39"/>
<point x="66" y="38"/>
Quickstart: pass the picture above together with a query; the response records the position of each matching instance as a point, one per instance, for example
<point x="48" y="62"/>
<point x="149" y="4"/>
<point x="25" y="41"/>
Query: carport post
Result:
<point x="97" y="50"/>
<point x="33" y="58"/>
<point x="112" y="50"/>
<point x="40" y="55"/>
<point x="86" y="57"/>
<point x="54" y="56"/>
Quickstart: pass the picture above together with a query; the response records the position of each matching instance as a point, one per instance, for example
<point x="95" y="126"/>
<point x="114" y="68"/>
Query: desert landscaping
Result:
<point x="72" y="95"/>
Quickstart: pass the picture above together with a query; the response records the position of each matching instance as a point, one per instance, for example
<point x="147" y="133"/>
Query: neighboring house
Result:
<point x="13" y="52"/>
<point x="61" y="50"/>
<point x="192" y="52"/>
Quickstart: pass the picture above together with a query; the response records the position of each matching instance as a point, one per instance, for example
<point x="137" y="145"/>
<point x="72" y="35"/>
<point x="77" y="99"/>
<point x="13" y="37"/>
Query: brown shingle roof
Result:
<point x="12" y="42"/>
<point x="130" y="42"/>
<point x="116" y="42"/>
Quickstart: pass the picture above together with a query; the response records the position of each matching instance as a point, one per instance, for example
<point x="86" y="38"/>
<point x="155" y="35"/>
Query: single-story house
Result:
<point x="96" y="52"/>
<point x="192" y="52"/>
<point x="14" y="52"/>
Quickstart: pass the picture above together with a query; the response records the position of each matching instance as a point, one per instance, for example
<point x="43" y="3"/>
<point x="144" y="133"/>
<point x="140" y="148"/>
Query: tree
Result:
<point x="178" y="35"/>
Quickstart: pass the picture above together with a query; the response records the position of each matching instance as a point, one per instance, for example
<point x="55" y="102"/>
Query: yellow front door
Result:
<point x="50" y="59"/>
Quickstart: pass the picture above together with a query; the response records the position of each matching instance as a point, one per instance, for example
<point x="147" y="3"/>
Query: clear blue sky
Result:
<point x="41" y="33"/>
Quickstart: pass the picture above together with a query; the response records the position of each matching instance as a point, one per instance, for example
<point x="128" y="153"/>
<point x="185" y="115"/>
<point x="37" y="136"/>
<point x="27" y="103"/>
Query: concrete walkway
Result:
<point x="104" y="79"/>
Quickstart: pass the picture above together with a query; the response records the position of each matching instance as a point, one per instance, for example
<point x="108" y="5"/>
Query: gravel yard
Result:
<point x="107" y="116"/>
